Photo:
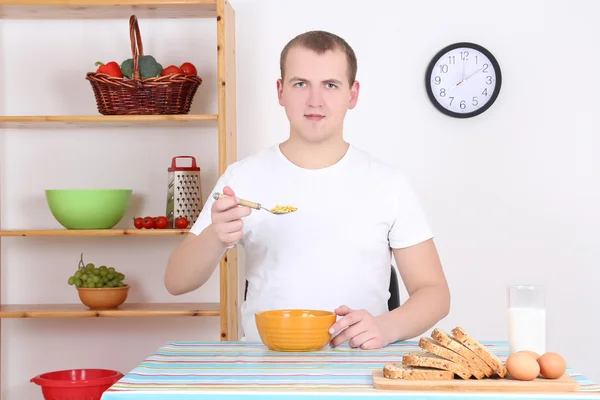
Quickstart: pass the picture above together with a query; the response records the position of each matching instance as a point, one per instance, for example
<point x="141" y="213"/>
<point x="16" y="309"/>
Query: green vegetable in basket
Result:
<point x="149" y="67"/>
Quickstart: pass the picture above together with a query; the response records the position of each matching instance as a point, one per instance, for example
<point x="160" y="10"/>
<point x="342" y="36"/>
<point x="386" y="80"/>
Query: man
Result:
<point x="353" y="213"/>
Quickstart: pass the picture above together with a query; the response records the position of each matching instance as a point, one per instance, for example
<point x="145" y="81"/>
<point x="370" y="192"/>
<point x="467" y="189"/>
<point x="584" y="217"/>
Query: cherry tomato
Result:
<point x="138" y="222"/>
<point x="170" y="70"/>
<point x="149" y="223"/>
<point x="181" y="223"/>
<point x="188" y="68"/>
<point x="162" y="222"/>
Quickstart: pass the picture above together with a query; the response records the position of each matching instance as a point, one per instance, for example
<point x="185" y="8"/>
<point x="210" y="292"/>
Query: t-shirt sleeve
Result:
<point x="204" y="218"/>
<point x="410" y="226"/>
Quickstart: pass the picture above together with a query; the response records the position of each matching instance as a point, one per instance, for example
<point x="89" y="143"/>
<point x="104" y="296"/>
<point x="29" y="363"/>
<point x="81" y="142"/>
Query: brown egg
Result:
<point x="531" y="353"/>
<point x="522" y="366"/>
<point x="552" y="365"/>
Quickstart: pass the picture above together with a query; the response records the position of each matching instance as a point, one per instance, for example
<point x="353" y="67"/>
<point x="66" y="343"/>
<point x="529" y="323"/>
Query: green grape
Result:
<point x="88" y="275"/>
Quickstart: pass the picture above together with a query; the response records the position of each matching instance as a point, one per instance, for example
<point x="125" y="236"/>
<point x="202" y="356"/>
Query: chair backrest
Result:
<point x="393" y="301"/>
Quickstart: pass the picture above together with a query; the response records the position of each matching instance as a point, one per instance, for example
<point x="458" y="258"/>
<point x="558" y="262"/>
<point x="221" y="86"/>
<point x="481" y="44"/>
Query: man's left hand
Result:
<point x="359" y="327"/>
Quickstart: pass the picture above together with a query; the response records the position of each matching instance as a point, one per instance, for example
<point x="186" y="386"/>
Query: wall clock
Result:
<point x="463" y="80"/>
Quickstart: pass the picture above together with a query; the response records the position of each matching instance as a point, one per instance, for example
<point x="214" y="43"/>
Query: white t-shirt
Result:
<point x="336" y="248"/>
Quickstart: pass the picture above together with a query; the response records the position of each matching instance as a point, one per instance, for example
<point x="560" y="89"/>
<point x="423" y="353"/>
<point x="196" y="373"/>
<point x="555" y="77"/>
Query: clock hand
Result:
<point x="459" y="82"/>
<point x="464" y="80"/>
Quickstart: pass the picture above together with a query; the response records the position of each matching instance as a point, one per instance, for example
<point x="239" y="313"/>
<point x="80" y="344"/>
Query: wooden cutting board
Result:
<point x="565" y="383"/>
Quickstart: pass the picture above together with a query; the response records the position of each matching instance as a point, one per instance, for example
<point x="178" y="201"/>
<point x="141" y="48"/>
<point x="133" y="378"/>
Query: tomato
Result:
<point x="149" y="223"/>
<point x="162" y="222"/>
<point x="181" y="223"/>
<point x="188" y="68"/>
<point x="170" y="70"/>
<point x="138" y="222"/>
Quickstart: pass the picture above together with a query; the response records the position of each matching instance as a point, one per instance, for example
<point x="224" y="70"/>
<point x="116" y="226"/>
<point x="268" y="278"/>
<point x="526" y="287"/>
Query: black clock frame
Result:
<point x="434" y="61"/>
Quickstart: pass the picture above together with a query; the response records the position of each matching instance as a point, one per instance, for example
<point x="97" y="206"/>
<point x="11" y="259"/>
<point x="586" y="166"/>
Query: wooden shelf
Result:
<point x="95" y="232"/>
<point x="125" y="310"/>
<point x="105" y="9"/>
<point x="222" y="14"/>
<point x="96" y="121"/>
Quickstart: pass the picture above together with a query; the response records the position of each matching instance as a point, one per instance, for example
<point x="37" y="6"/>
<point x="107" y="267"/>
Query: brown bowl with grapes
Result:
<point x="99" y="288"/>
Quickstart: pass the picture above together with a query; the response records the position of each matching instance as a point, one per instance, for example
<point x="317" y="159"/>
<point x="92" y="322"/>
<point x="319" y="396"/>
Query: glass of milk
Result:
<point x="526" y="318"/>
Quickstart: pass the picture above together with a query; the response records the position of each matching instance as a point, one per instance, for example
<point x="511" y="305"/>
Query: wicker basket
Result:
<point x="171" y="94"/>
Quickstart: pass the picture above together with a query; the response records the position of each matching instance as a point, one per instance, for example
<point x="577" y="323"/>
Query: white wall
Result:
<point x="510" y="194"/>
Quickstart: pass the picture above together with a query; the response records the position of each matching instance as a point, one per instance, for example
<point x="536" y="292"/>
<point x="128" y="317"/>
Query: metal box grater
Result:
<point x="184" y="193"/>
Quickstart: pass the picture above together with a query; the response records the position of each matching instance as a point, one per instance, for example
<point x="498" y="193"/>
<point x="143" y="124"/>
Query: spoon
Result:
<point x="277" y="210"/>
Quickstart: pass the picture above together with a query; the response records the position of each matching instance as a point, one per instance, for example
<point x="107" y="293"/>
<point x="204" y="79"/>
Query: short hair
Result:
<point x="320" y="42"/>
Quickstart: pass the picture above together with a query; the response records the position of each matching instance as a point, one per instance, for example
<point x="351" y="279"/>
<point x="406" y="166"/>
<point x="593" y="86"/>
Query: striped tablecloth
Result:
<point x="243" y="370"/>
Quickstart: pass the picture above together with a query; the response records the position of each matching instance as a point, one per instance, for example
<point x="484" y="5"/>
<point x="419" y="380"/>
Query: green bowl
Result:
<point x="88" y="208"/>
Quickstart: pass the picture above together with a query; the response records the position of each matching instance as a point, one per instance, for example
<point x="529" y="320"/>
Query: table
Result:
<point x="245" y="370"/>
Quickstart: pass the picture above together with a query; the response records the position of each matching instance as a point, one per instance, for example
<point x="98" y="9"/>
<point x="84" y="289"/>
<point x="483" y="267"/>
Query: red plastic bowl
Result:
<point x="76" y="384"/>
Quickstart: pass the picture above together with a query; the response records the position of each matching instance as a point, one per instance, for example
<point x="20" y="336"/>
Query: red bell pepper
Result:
<point x="112" y="69"/>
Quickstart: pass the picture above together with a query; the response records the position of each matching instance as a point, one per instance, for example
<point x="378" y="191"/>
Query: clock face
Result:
<point x="463" y="80"/>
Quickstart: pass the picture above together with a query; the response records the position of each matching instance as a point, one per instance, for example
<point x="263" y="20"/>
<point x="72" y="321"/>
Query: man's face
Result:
<point x="316" y="93"/>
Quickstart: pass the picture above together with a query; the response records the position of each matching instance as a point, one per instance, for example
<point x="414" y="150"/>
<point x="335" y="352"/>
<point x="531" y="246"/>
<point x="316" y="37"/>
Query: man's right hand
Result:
<point x="227" y="217"/>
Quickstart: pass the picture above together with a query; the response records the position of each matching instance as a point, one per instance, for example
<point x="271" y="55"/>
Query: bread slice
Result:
<point x="490" y="358"/>
<point x="433" y="347"/>
<point x="449" y="342"/>
<point x="399" y="371"/>
<point x="425" y="359"/>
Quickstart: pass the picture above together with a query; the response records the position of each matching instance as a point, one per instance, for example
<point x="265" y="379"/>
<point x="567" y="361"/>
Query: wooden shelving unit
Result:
<point x="225" y="120"/>
<point x="95" y="121"/>
<point x="126" y="310"/>
<point x="95" y="232"/>
<point x="109" y="9"/>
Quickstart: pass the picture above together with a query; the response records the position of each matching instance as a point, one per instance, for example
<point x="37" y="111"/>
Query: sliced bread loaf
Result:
<point x="433" y="347"/>
<point x="449" y="342"/>
<point x="425" y="359"/>
<point x="399" y="371"/>
<point x="490" y="358"/>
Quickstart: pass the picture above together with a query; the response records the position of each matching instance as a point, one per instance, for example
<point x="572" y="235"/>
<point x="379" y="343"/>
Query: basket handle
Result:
<point x="136" y="39"/>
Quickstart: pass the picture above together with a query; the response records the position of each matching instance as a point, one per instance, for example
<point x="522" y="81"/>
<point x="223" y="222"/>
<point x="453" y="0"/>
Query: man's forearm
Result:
<point x="193" y="262"/>
<point x="420" y="312"/>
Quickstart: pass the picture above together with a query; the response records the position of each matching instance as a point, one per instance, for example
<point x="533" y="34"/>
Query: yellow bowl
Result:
<point x="295" y="330"/>
<point x="103" y="298"/>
